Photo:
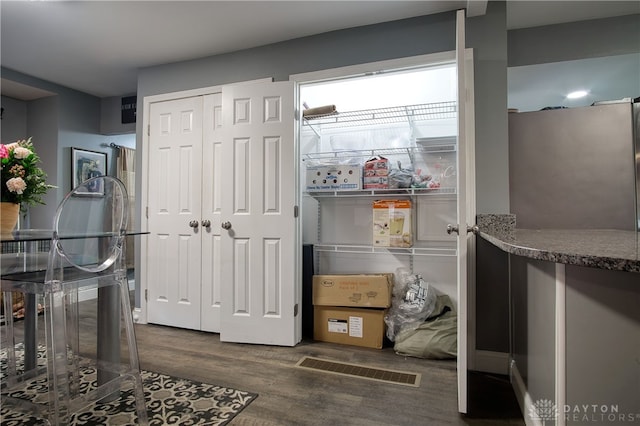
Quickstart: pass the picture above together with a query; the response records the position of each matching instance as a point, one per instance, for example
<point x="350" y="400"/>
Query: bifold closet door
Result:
<point x="260" y="246"/>
<point x="214" y="184"/>
<point x="174" y="213"/>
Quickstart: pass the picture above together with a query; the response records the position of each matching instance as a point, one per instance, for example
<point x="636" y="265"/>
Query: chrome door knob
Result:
<point x="452" y="228"/>
<point x="226" y="225"/>
<point x="473" y="229"/>
<point x="193" y="224"/>
<point x="206" y="223"/>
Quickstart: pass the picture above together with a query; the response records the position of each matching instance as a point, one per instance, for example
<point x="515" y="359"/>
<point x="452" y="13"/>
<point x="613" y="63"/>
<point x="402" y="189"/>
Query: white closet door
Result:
<point x="174" y="207"/>
<point x="466" y="205"/>
<point x="213" y="184"/>
<point x="259" y="237"/>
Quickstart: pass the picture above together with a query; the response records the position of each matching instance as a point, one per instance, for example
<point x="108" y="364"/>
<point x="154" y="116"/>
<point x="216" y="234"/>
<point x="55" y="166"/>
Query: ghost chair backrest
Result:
<point x="89" y="226"/>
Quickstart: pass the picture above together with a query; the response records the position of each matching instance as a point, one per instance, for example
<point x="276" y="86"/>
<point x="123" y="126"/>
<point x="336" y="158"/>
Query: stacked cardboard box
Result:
<point x="350" y="309"/>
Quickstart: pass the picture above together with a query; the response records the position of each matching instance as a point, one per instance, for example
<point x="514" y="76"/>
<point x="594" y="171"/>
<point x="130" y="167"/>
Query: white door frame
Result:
<point x="140" y="314"/>
<point x="421" y="61"/>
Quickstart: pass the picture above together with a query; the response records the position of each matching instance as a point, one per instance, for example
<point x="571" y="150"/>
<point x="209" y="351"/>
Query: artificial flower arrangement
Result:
<point x="23" y="182"/>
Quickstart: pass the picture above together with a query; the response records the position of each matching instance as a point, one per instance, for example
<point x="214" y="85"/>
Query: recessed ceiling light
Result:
<point x="577" y="94"/>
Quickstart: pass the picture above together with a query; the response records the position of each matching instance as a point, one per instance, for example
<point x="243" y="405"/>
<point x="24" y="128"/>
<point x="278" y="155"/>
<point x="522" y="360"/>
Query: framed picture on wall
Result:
<point x="86" y="164"/>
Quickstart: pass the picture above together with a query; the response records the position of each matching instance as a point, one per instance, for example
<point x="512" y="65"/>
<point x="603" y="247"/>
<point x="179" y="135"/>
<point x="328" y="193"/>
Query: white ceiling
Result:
<point x="98" y="46"/>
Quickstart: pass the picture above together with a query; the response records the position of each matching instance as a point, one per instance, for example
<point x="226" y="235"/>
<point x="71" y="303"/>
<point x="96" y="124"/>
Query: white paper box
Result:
<point x="334" y="178"/>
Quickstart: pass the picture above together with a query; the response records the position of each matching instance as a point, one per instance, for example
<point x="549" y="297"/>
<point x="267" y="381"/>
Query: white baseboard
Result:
<point x="523" y="397"/>
<point x="138" y="316"/>
<point x="492" y="362"/>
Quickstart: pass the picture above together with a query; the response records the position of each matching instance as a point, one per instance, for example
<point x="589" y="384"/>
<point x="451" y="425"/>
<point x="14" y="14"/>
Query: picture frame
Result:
<point x="86" y="164"/>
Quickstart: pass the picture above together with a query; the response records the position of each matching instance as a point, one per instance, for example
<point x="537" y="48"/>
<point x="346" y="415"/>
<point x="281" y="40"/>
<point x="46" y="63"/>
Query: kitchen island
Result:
<point x="574" y="322"/>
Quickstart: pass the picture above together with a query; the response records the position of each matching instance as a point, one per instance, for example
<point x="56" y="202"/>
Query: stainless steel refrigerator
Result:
<point x="576" y="168"/>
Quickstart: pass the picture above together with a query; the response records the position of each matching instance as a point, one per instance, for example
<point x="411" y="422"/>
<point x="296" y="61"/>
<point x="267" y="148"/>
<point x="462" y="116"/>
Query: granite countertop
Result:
<point x="597" y="248"/>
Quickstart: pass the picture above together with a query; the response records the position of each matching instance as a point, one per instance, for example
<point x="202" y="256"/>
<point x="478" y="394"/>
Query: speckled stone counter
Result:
<point x="603" y="249"/>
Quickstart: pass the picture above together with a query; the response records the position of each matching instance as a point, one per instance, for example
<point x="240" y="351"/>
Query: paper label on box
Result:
<point x="355" y="327"/>
<point x="337" y="326"/>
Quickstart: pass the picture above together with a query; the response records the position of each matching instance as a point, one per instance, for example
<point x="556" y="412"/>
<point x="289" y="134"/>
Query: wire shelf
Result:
<point x="409" y="251"/>
<point x="368" y="153"/>
<point x="393" y="192"/>
<point x="418" y="112"/>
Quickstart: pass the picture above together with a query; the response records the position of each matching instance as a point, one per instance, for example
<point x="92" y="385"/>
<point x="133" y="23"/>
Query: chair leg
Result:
<point x="73" y="334"/>
<point x="134" y="363"/>
<point x="57" y="358"/>
<point x="12" y="374"/>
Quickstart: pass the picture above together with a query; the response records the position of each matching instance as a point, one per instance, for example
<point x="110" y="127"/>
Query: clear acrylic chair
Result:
<point x="86" y="363"/>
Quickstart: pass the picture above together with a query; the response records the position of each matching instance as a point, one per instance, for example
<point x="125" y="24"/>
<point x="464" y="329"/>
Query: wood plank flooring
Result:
<point x="289" y="395"/>
<point x="293" y="396"/>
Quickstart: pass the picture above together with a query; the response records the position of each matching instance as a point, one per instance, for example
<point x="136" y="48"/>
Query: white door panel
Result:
<point x="213" y="184"/>
<point x="174" y="202"/>
<point x="259" y="246"/>
<point x="466" y="205"/>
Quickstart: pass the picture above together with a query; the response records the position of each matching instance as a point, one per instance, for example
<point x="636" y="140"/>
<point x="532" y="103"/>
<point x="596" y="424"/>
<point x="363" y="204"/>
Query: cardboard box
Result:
<point x="376" y="173"/>
<point x="392" y="223"/>
<point x="334" y="178"/>
<point x="349" y="326"/>
<point x="369" y="291"/>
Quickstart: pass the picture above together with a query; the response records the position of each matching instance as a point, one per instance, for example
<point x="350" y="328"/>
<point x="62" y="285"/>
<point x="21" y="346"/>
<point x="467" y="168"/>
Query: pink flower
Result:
<point x="4" y="152"/>
<point x="17" y="185"/>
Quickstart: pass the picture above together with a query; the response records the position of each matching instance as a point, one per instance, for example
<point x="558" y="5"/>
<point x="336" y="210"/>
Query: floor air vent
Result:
<point x="364" y="372"/>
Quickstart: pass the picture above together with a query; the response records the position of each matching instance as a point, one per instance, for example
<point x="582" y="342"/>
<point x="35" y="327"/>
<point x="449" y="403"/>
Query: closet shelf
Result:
<point x="394" y="192"/>
<point x="384" y="152"/>
<point x="410" y="251"/>
<point x="368" y="117"/>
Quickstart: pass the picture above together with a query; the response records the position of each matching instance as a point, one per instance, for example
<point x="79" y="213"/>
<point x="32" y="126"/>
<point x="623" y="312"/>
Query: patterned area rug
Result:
<point x="170" y="401"/>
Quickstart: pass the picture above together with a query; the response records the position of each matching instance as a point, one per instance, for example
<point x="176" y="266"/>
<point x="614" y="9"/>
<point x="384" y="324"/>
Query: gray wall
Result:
<point x="14" y="120"/>
<point x="492" y="298"/>
<point x="42" y="125"/>
<point x="409" y="37"/>
<point x="57" y="123"/>
<point x="575" y="40"/>
<point x="487" y="35"/>
<point x="111" y="117"/>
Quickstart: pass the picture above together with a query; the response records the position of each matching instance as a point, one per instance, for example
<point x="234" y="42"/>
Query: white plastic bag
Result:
<point x="413" y="301"/>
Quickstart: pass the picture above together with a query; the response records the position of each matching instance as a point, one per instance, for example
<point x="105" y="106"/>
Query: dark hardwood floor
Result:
<point x="288" y="395"/>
